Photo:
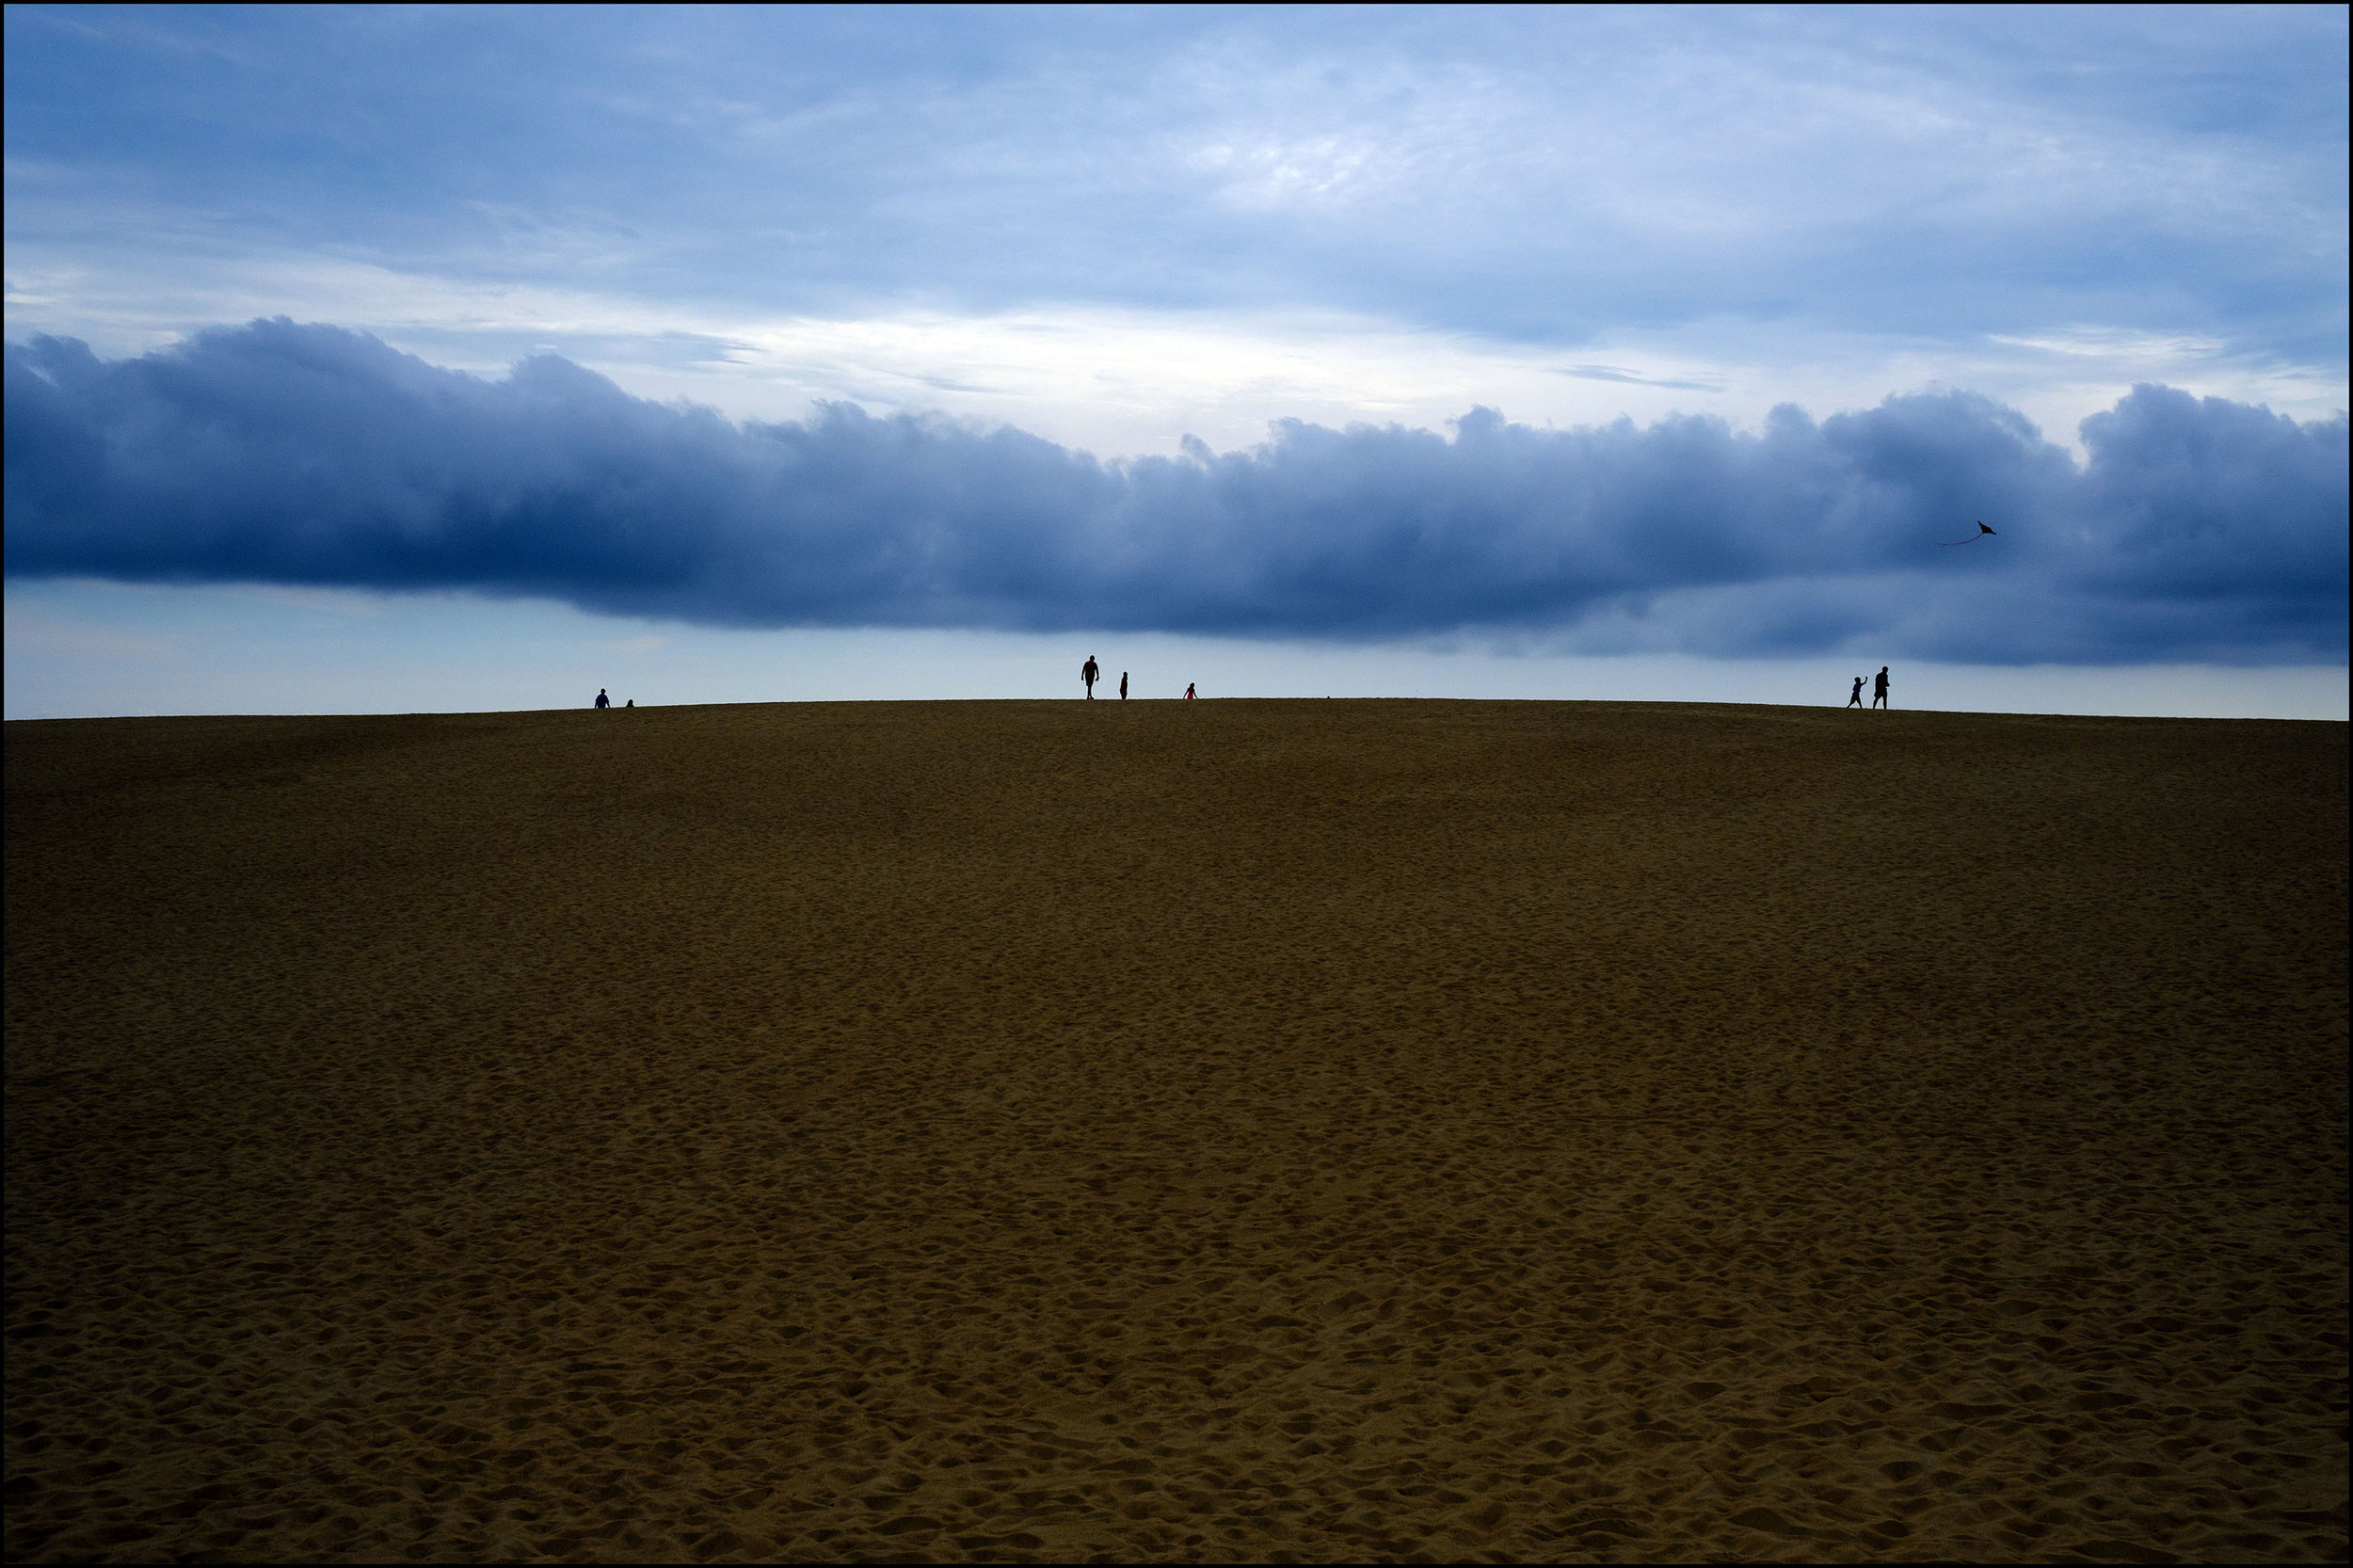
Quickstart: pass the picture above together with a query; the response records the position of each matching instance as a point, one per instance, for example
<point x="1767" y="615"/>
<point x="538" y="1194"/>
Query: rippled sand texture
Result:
<point x="1236" y="1129"/>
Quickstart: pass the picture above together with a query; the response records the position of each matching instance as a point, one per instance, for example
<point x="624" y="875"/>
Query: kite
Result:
<point x="1981" y="532"/>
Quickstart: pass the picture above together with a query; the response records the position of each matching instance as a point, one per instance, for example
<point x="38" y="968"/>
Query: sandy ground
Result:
<point x="1236" y="1129"/>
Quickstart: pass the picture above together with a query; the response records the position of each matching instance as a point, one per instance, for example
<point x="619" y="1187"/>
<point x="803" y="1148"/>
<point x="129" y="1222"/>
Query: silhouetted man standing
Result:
<point x="602" y="700"/>
<point x="1854" y="698"/>
<point x="1090" y="672"/>
<point x="1879" y="688"/>
<point x="1123" y="685"/>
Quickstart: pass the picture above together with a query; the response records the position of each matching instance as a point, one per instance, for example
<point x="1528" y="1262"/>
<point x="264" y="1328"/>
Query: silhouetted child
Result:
<point x="630" y="703"/>
<point x="1854" y="698"/>
<point x="602" y="700"/>
<point x="1187" y="691"/>
<point x="1123" y="685"/>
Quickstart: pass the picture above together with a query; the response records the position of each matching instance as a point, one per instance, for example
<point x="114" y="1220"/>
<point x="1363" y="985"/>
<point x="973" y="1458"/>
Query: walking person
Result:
<point x="1879" y="688"/>
<point x="1854" y="698"/>
<point x="1187" y="691"/>
<point x="1090" y="672"/>
<point x="1123" y="685"/>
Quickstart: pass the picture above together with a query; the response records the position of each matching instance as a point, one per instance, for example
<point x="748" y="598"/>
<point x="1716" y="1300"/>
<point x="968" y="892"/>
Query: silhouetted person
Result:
<point x="630" y="703"/>
<point x="1187" y="691"/>
<point x="1879" y="688"/>
<point x="1090" y="672"/>
<point x="1854" y="698"/>
<point x="602" y="700"/>
<point x="1123" y="685"/>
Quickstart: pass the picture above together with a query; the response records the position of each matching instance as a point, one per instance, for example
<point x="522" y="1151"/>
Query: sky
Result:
<point x="413" y="358"/>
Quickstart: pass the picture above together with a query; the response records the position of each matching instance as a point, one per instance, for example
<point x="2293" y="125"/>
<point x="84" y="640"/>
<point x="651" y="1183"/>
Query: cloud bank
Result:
<point x="2198" y="530"/>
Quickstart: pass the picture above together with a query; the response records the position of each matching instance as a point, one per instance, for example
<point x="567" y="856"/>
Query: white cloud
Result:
<point x="1118" y="381"/>
<point x="2109" y="343"/>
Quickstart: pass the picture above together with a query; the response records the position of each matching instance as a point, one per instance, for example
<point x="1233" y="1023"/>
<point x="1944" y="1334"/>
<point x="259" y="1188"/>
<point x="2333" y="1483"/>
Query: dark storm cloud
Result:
<point x="277" y="453"/>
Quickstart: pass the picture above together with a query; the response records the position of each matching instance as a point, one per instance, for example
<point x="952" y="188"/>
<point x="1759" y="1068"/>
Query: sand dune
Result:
<point x="1306" y="1131"/>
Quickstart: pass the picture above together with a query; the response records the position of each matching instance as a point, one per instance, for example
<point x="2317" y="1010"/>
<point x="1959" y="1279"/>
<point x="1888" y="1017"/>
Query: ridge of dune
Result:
<point x="1304" y="1130"/>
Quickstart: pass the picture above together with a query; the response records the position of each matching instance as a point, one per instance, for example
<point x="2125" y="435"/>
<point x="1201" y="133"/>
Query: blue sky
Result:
<point x="1494" y="351"/>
